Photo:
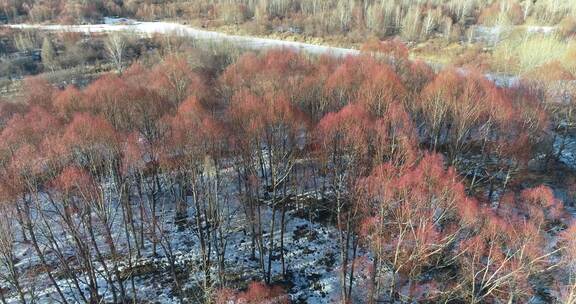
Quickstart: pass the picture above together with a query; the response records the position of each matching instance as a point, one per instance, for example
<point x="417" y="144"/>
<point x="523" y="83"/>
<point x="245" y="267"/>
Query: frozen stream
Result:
<point x="187" y="31"/>
<point x="250" y="42"/>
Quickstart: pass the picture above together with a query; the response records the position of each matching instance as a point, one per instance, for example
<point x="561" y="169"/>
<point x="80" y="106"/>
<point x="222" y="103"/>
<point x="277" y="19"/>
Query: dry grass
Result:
<point x="329" y="40"/>
<point x="527" y="52"/>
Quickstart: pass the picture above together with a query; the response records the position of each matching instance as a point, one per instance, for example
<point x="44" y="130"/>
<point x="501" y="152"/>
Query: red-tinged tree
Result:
<point x="175" y="80"/>
<point x="67" y="102"/>
<point x="518" y="133"/>
<point x="256" y="293"/>
<point x="393" y="51"/>
<point x="395" y="48"/>
<point x="259" y="292"/>
<point x="412" y="218"/>
<point x="434" y="106"/>
<point x="395" y="138"/>
<point x="144" y="104"/>
<point x="23" y="176"/>
<point x="270" y="134"/>
<point x="342" y="140"/>
<point x="452" y="106"/>
<point x="9" y="109"/>
<point x="193" y="157"/>
<point x="22" y="137"/>
<point x="466" y="114"/>
<point x="476" y="274"/>
<point x="275" y="71"/>
<point x="503" y="260"/>
<point x="138" y="111"/>
<point x="38" y="92"/>
<point x="538" y="205"/>
<point x="28" y="163"/>
<point x="188" y="145"/>
<point x="94" y="145"/>
<point x="93" y="142"/>
<point x="107" y="97"/>
<point x="530" y="117"/>
<point x="71" y="195"/>
<point x="141" y="166"/>
<point x="24" y="133"/>
<point x="313" y="100"/>
<point x="239" y="75"/>
<point x="76" y="184"/>
<point x="31" y="127"/>
<point x="143" y="110"/>
<point x="76" y="197"/>
<point x="365" y="80"/>
<point x="11" y="274"/>
<point x="380" y="88"/>
<point x="278" y="61"/>
<point x="343" y="145"/>
<point x="196" y="131"/>
<point x="344" y="82"/>
<point x="248" y="163"/>
<point x="415" y="76"/>
<point x="510" y="251"/>
<point x="138" y="166"/>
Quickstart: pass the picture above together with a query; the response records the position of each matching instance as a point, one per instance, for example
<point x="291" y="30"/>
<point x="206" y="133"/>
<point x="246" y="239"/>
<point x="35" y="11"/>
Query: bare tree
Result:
<point x="9" y="271"/>
<point x="115" y="46"/>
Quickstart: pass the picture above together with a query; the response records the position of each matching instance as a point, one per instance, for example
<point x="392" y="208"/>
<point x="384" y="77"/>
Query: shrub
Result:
<point x="567" y="27"/>
<point x="233" y="13"/>
<point x="529" y="51"/>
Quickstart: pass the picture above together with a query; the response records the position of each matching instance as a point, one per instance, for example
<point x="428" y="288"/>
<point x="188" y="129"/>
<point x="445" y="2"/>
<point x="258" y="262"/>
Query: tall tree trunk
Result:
<point x="271" y="244"/>
<point x="282" y="228"/>
<point x="42" y="259"/>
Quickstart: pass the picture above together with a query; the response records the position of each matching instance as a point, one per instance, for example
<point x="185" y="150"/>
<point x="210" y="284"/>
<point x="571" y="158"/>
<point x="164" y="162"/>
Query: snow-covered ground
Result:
<point x="568" y="153"/>
<point x="312" y="256"/>
<point x="149" y="28"/>
<point x="494" y="34"/>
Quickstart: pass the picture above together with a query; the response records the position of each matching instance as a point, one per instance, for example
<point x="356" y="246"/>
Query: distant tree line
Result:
<point x="413" y="20"/>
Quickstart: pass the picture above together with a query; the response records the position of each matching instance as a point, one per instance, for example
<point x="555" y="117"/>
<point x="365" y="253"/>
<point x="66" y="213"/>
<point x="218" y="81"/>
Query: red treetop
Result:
<point x="393" y="47"/>
<point x="257" y="293"/>
<point x="347" y="129"/>
<point x="67" y="102"/>
<point x="31" y="128"/>
<point x="174" y="80"/>
<point x="39" y="92"/>
<point x="92" y="137"/>
<point x="537" y="205"/>
<point x="74" y="180"/>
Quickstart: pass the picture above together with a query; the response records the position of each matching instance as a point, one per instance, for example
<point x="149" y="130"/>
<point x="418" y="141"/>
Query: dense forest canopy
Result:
<point x="149" y="169"/>
<point x="385" y="144"/>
